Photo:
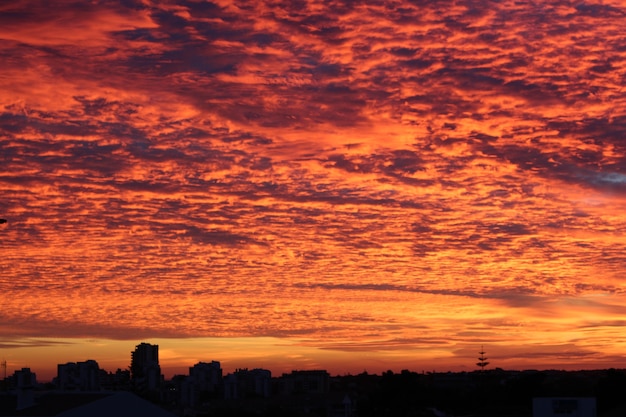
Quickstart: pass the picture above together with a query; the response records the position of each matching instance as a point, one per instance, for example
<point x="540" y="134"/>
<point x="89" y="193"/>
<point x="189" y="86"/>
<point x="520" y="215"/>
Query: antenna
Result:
<point x="4" y="384"/>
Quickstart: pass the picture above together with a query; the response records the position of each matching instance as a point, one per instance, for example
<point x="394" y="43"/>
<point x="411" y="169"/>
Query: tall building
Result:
<point x="145" y="371"/>
<point x="25" y="382"/>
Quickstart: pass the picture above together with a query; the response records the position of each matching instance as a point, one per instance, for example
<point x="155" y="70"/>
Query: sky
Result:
<point x="341" y="185"/>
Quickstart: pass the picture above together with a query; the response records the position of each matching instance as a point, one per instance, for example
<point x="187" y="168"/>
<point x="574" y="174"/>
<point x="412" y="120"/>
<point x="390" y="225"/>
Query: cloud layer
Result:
<point x="363" y="176"/>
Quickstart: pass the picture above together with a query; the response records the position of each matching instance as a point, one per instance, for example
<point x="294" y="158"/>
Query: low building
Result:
<point x="564" y="406"/>
<point x="244" y="383"/>
<point x="79" y="376"/>
<point x="305" y="382"/>
<point x="203" y="383"/>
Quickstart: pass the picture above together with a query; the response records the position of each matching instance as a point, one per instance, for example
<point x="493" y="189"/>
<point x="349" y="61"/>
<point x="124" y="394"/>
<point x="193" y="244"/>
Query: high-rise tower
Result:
<point x="145" y="371"/>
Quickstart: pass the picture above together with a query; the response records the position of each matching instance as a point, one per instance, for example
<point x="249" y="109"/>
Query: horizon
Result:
<point x="350" y="185"/>
<point x="179" y="365"/>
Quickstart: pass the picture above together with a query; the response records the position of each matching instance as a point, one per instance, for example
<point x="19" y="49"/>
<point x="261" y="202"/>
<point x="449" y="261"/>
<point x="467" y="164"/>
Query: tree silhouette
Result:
<point x="482" y="359"/>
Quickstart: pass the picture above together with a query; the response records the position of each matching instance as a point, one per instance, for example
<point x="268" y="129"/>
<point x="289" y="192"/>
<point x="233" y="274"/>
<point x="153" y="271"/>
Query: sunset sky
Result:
<point x="344" y="185"/>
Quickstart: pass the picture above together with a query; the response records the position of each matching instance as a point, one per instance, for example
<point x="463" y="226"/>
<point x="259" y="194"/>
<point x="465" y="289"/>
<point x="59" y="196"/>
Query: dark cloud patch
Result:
<point x="363" y="244"/>
<point x="62" y="329"/>
<point x="468" y="76"/>
<point x="514" y="297"/>
<point x="603" y="67"/>
<point x="407" y="161"/>
<point x="102" y="105"/>
<point x="483" y="137"/>
<point x="19" y="342"/>
<point x="13" y="123"/>
<point x="341" y="198"/>
<point x="146" y="185"/>
<point x="572" y="166"/>
<point x="423" y="227"/>
<point x="79" y="150"/>
<point x="401" y="51"/>
<point x="535" y="92"/>
<point x="332" y="70"/>
<point x="417" y="63"/>
<point x="399" y="165"/>
<point x="140" y="34"/>
<point x="53" y="157"/>
<point x="155" y="154"/>
<point x="205" y="9"/>
<point x="38" y="12"/>
<point x="244" y="137"/>
<point x="553" y="352"/>
<point x="599" y="10"/>
<point x="510" y="229"/>
<point x="599" y="130"/>
<point x="216" y="237"/>
<point x="60" y="125"/>
<point x="176" y="61"/>
<point x="389" y="344"/>
<point x="612" y="181"/>
<point x="171" y="24"/>
<point x="603" y="323"/>
<point x="195" y="57"/>
<point x="259" y="164"/>
<point x="340" y="161"/>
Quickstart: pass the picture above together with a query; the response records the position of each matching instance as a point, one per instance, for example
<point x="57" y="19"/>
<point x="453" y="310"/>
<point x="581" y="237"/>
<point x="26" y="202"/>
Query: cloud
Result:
<point x="14" y="343"/>
<point x="332" y="171"/>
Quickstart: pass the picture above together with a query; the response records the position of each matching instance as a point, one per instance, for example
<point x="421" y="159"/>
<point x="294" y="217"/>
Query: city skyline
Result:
<point x="46" y="368"/>
<point x="204" y="386"/>
<point x="139" y="362"/>
<point x="340" y="185"/>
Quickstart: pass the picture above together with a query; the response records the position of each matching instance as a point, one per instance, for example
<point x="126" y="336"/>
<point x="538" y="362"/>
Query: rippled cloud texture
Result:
<point x="406" y="179"/>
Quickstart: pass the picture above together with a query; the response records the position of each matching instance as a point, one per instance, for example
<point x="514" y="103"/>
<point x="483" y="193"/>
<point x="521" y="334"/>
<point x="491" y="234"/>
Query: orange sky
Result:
<point x="313" y="184"/>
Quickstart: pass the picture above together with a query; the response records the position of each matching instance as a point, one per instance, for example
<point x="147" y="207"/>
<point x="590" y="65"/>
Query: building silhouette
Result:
<point x="145" y="371"/>
<point x="25" y="382"/>
<point x="79" y="376"/>
<point x="82" y="388"/>
<point x="568" y="406"/>
<point x="203" y="383"/>
<point x="244" y="383"/>
<point x="305" y="382"/>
